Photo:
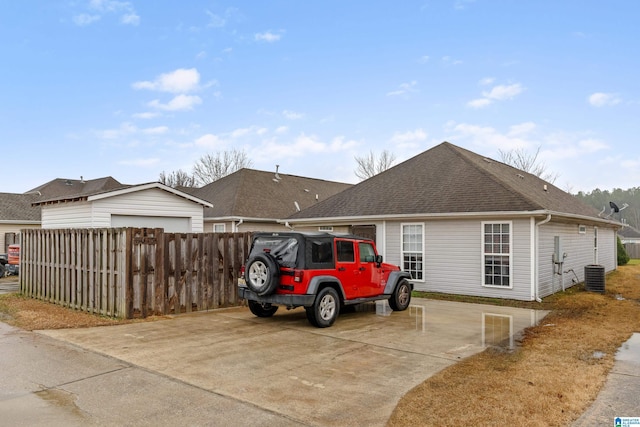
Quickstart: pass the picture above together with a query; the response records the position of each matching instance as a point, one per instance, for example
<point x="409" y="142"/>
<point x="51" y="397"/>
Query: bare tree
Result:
<point x="210" y="167"/>
<point x="177" y="178"/>
<point x="528" y="162"/>
<point x="369" y="165"/>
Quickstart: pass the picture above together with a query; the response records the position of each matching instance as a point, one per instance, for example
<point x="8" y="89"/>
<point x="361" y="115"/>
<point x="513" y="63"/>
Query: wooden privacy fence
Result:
<point x="132" y="272"/>
<point x="633" y="250"/>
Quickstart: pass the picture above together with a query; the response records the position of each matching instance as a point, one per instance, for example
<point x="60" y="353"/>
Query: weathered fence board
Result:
<point x="132" y="272"/>
<point x="633" y="250"/>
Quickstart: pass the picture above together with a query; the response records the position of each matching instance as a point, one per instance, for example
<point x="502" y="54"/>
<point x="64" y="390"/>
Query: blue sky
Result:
<point x="129" y="89"/>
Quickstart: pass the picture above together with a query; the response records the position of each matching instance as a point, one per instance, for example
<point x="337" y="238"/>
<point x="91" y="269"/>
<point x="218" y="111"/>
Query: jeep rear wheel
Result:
<point x="262" y="310"/>
<point x="262" y="274"/>
<point x="325" y="309"/>
<point x="401" y="297"/>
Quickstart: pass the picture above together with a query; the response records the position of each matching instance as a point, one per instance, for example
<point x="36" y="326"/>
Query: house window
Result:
<point x="496" y="254"/>
<point x="413" y="250"/>
<point x="582" y="229"/>
<point x="218" y="228"/>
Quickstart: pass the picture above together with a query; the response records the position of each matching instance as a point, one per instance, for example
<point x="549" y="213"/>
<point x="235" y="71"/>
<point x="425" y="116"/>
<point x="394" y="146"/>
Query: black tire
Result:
<point x="262" y="274"/>
<point x="262" y="310"/>
<point x="325" y="309"/>
<point x="2" y="270"/>
<point x="401" y="297"/>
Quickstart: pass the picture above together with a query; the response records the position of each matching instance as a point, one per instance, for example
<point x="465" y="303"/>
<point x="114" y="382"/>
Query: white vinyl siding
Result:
<point x="579" y="248"/>
<point x="97" y="214"/>
<point x="452" y="263"/>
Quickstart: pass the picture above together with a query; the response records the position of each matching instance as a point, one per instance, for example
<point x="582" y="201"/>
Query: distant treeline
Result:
<point x="600" y="199"/>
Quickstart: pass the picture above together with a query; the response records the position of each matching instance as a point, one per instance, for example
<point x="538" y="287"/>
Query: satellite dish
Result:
<point x="615" y="207"/>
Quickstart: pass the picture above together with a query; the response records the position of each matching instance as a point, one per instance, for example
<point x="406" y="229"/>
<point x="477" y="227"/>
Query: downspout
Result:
<point x="237" y="226"/>
<point x="537" y="274"/>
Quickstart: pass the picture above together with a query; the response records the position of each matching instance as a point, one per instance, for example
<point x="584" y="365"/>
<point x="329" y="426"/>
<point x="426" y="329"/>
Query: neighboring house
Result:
<point x="17" y="210"/>
<point x="253" y="200"/>
<point x="16" y="213"/>
<point x="629" y="234"/>
<point x="462" y="223"/>
<point x="144" y="205"/>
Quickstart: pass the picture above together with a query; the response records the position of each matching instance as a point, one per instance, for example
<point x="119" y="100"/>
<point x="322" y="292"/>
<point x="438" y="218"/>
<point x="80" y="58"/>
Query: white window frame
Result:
<point x="421" y="252"/>
<point x="224" y="227"/>
<point x="509" y="255"/>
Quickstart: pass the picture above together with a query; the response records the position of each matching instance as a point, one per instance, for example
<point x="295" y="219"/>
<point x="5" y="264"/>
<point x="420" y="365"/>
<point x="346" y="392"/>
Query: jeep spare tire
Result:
<point x="262" y="274"/>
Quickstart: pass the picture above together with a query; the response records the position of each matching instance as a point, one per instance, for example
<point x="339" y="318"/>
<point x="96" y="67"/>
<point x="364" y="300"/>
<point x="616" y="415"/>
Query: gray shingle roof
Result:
<point x="62" y="187"/>
<point x="251" y="193"/>
<point x="18" y="207"/>
<point x="448" y="179"/>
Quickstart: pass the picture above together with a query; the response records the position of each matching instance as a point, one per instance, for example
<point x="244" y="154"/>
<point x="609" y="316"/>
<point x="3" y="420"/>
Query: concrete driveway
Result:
<point x="352" y="373"/>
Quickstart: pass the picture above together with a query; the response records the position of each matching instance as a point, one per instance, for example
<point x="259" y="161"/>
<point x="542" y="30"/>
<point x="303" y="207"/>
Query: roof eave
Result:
<point x="511" y="214"/>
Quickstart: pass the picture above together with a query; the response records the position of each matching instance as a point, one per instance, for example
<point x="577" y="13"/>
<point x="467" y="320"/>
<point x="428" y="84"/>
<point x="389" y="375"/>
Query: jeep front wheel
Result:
<point x="401" y="297"/>
<point x="262" y="274"/>
<point x="325" y="309"/>
<point x="262" y="310"/>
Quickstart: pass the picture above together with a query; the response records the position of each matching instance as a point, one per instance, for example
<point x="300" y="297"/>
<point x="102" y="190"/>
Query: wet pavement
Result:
<point x="352" y="373"/>
<point x="620" y="397"/>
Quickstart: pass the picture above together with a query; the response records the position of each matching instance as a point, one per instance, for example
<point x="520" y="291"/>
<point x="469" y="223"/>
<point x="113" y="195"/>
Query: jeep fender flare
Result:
<point x="394" y="278"/>
<point x="316" y="282"/>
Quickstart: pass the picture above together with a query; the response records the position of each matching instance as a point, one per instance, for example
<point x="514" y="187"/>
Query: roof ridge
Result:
<point x="465" y="154"/>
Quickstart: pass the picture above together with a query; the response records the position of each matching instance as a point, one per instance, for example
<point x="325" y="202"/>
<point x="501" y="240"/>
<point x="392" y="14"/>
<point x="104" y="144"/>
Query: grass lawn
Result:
<point x="551" y="379"/>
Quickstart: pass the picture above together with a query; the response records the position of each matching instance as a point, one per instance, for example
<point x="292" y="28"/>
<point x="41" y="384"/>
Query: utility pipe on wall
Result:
<point x="537" y="275"/>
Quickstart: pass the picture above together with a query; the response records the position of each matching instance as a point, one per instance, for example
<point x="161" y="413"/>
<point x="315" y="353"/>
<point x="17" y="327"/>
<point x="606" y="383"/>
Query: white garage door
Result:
<point x="170" y="224"/>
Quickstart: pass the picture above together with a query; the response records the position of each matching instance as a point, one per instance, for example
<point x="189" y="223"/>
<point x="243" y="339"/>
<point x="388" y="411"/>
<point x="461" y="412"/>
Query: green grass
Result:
<point x="634" y="262"/>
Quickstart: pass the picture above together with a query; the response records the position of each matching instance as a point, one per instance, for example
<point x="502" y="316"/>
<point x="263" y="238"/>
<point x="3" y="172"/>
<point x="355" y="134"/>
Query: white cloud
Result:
<point x="158" y="130"/>
<point x="85" y="19"/>
<point x="145" y="115"/>
<point x="502" y="92"/>
<point x="292" y="115"/>
<point x="487" y="81"/>
<point x="209" y="141"/>
<point x="521" y="129"/>
<point x="424" y="59"/>
<point x="215" y="21"/>
<point x="251" y="130"/>
<point x="497" y="93"/>
<point x="600" y="99"/>
<point x="130" y="19"/>
<point x="306" y="145"/>
<point x="404" y="89"/>
<point x="479" y="103"/>
<point x="179" y="81"/>
<point x="267" y="36"/>
<point x="100" y="8"/>
<point x="282" y="129"/>
<point x="447" y="60"/>
<point x="178" y="103"/>
<point x="409" y="138"/>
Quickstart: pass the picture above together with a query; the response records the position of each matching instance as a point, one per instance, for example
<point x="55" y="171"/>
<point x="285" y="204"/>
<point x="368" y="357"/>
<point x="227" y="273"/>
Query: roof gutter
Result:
<point x="450" y="215"/>
<point x="536" y="281"/>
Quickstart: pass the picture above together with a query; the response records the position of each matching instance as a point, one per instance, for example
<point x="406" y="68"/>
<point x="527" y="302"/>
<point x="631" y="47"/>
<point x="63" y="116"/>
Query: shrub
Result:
<point x="623" y="257"/>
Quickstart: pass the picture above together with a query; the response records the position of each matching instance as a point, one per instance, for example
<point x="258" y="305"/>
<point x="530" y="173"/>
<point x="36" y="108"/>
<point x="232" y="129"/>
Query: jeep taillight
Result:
<point x="298" y="275"/>
<point x="242" y="268"/>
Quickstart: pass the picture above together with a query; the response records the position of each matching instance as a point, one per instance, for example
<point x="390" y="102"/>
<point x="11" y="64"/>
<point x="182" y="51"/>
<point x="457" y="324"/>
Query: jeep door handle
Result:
<point x="362" y="268"/>
<point x="341" y="269"/>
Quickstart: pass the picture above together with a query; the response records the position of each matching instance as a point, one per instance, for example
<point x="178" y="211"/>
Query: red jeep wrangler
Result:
<point x="321" y="272"/>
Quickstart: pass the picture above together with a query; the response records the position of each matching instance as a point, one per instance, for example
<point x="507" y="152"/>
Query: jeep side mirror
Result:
<point x="378" y="260"/>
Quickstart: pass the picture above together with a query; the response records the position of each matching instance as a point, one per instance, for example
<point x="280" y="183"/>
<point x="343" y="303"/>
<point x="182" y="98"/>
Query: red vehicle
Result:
<point x="13" y="254"/>
<point x="321" y="272"/>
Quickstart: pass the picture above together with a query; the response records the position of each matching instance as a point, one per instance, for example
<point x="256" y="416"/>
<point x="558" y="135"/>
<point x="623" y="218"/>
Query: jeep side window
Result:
<point x="345" y="251"/>
<point x="367" y="254"/>
<point x="321" y="252"/>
